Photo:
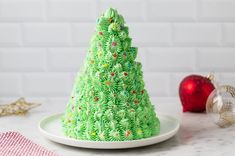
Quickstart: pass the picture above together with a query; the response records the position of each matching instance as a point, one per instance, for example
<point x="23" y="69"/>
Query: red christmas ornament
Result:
<point x="194" y="91"/>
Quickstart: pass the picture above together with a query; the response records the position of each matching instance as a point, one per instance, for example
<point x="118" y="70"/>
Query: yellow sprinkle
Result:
<point x="93" y="133"/>
<point x="70" y="115"/>
<point x="105" y="65"/>
<point x="99" y="53"/>
<point x="139" y="131"/>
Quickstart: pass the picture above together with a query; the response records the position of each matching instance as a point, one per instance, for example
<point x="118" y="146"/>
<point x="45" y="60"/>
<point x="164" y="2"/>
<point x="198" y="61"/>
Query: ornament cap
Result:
<point x="213" y="80"/>
<point x="211" y="76"/>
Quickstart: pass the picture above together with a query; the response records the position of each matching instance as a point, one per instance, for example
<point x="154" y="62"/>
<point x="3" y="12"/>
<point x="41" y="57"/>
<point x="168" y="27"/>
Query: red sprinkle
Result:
<point x="127" y="133"/>
<point x="96" y="98"/>
<point x="101" y="33"/>
<point x="114" y="44"/>
<point x="112" y="74"/>
<point x="136" y="101"/>
<point x="125" y="73"/>
<point x="134" y="92"/>
<point x="142" y="91"/>
<point x="114" y="55"/>
<point x="108" y="83"/>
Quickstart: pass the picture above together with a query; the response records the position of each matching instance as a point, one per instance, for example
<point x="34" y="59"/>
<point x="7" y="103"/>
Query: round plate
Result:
<point x="51" y="128"/>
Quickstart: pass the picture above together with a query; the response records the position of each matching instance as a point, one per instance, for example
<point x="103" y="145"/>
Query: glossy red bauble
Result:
<point x="194" y="91"/>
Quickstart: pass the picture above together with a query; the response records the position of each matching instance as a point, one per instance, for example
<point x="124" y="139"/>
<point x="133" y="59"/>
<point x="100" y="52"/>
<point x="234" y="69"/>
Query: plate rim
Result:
<point x="54" y="137"/>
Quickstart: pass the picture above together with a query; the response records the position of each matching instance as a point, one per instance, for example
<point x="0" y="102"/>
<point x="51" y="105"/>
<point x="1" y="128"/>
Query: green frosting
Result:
<point x="108" y="101"/>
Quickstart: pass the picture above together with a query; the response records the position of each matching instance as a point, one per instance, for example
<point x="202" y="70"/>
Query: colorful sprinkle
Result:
<point x="93" y="133"/>
<point x="142" y="91"/>
<point x="134" y="92"/>
<point x="112" y="74"/>
<point x="108" y="83"/>
<point x="99" y="53"/>
<point x="139" y="131"/>
<point x="100" y="33"/>
<point x="69" y="119"/>
<point x="136" y="101"/>
<point x="114" y="44"/>
<point x="125" y="73"/>
<point x="96" y="98"/>
<point x="105" y="65"/>
<point x="70" y="115"/>
<point x="115" y="55"/>
<point x="127" y="133"/>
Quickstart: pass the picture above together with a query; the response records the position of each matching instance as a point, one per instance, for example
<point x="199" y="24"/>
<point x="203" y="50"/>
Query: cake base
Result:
<point x="50" y="127"/>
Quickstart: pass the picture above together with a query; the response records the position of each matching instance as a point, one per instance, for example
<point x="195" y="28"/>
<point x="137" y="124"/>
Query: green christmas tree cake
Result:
<point x="108" y="101"/>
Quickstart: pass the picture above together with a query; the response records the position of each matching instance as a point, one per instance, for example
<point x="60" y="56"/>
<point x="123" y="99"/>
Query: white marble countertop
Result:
<point x="197" y="135"/>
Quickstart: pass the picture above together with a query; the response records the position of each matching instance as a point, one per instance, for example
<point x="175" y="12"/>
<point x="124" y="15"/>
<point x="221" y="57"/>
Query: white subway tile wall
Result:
<point x="43" y="43"/>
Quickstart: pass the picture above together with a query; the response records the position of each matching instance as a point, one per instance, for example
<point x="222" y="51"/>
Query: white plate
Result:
<point x="51" y="128"/>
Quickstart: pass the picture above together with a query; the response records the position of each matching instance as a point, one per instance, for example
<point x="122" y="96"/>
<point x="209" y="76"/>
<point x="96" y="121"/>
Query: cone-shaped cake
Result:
<point x="108" y="101"/>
